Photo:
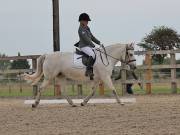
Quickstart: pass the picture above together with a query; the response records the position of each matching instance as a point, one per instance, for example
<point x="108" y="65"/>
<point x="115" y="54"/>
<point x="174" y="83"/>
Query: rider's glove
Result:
<point x="101" y="45"/>
<point x="97" y="47"/>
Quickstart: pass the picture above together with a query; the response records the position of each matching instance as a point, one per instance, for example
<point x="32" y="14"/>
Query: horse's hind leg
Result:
<point x="43" y="86"/>
<point x="107" y="80"/>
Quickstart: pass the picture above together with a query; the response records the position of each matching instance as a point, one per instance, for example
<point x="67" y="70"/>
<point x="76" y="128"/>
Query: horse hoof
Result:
<point x="74" y="105"/>
<point x="92" y="77"/>
<point x="122" y="104"/>
<point x="82" y="104"/>
<point x="33" y="106"/>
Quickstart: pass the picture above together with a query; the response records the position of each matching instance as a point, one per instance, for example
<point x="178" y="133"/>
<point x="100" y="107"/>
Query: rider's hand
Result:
<point x="97" y="47"/>
<point x="101" y="45"/>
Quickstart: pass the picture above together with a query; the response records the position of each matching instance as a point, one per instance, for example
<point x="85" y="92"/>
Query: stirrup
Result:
<point x="92" y="77"/>
<point x="86" y="73"/>
<point x="89" y="72"/>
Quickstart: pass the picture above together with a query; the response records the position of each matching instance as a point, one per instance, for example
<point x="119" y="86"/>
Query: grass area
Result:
<point x="14" y="90"/>
<point x="156" y="89"/>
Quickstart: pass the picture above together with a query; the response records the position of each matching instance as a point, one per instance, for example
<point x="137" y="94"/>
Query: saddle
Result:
<point x="84" y="57"/>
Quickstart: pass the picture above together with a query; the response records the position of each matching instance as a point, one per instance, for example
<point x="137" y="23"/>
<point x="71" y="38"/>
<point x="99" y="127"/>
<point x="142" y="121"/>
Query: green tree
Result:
<point x="4" y="64"/>
<point x="161" y="38"/>
<point x="20" y="64"/>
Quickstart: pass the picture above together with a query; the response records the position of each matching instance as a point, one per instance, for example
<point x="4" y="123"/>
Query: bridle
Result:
<point x="107" y="55"/>
<point x="129" y="61"/>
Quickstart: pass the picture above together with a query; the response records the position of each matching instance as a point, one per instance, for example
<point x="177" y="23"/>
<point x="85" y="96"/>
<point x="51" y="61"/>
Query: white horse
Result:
<point x="59" y="65"/>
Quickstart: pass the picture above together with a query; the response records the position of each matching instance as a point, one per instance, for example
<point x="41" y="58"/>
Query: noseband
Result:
<point x="129" y="61"/>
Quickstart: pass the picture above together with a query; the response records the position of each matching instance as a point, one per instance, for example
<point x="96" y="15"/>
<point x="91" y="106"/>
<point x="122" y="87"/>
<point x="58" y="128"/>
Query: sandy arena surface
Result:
<point x="150" y="115"/>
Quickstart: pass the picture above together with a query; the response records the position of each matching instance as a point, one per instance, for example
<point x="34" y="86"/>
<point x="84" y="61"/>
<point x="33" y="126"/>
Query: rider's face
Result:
<point x="85" y="23"/>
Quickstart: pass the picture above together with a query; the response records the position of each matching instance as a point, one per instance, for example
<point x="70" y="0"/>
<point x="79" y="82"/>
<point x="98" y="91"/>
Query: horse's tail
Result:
<point x="39" y="71"/>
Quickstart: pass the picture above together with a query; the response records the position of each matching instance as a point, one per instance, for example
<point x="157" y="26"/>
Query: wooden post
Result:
<point x="57" y="90"/>
<point x="9" y="84"/>
<point x="20" y="82"/>
<point x="56" y="38"/>
<point x="148" y="74"/>
<point x="35" y="87"/>
<point x="173" y="74"/>
<point x="101" y="89"/>
<point x="73" y="88"/>
<point x="123" y="78"/>
<point x="79" y="90"/>
<point x="56" y="35"/>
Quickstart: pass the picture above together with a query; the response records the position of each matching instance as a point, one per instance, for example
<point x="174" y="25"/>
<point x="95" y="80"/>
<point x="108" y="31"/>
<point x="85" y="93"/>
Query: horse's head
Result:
<point x="123" y="53"/>
<point x="130" y="58"/>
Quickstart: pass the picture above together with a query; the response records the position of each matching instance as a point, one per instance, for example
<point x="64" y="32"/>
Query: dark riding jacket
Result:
<point x="86" y="38"/>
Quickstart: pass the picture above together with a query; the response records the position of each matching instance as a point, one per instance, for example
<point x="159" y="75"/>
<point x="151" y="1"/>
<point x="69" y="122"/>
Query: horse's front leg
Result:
<point x="62" y="82"/>
<point x="43" y="86"/>
<point x="85" y="101"/>
<point x="69" y="100"/>
<point x="108" y="82"/>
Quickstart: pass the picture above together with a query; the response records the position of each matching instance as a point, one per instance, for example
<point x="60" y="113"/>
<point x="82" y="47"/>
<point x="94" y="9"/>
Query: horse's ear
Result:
<point x="130" y="46"/>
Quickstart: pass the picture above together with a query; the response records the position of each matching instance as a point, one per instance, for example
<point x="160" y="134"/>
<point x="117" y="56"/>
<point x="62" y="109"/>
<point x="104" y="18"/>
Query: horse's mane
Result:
<point x="114" y="46"/>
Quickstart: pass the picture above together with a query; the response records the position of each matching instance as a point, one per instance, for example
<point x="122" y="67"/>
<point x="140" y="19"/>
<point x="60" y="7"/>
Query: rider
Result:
<point x="86" y="42"/>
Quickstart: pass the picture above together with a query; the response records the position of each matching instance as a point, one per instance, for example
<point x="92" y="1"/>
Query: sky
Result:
<point x="26" y="25"/>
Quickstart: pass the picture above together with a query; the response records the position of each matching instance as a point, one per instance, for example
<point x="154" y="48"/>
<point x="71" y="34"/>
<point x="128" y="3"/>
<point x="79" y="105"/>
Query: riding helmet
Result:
<point x="84" y="17"/>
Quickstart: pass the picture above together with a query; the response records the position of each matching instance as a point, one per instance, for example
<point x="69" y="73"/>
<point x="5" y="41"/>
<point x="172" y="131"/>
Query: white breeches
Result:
<point x="89" y="51"/>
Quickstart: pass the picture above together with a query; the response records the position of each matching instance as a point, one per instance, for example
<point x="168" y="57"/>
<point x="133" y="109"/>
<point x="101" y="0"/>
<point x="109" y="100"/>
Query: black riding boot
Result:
<point x="89" y="72"/>
<point x="89" y="68"/>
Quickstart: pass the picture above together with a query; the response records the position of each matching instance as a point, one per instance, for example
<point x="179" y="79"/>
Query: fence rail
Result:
<point x="19" y="57"/>
<point x="157" y="52"/>
<point x="15" y="71"/>
<point x="159" y="67"/>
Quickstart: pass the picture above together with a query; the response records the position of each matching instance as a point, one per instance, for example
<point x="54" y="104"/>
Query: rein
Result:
<point x="107" y="55"/>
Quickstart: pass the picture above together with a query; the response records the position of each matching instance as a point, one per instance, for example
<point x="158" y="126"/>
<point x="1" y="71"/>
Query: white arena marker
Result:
<point x="77" y="101"/>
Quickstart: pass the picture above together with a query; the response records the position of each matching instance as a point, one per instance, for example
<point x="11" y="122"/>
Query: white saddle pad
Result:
<point x="77" y="61"/>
